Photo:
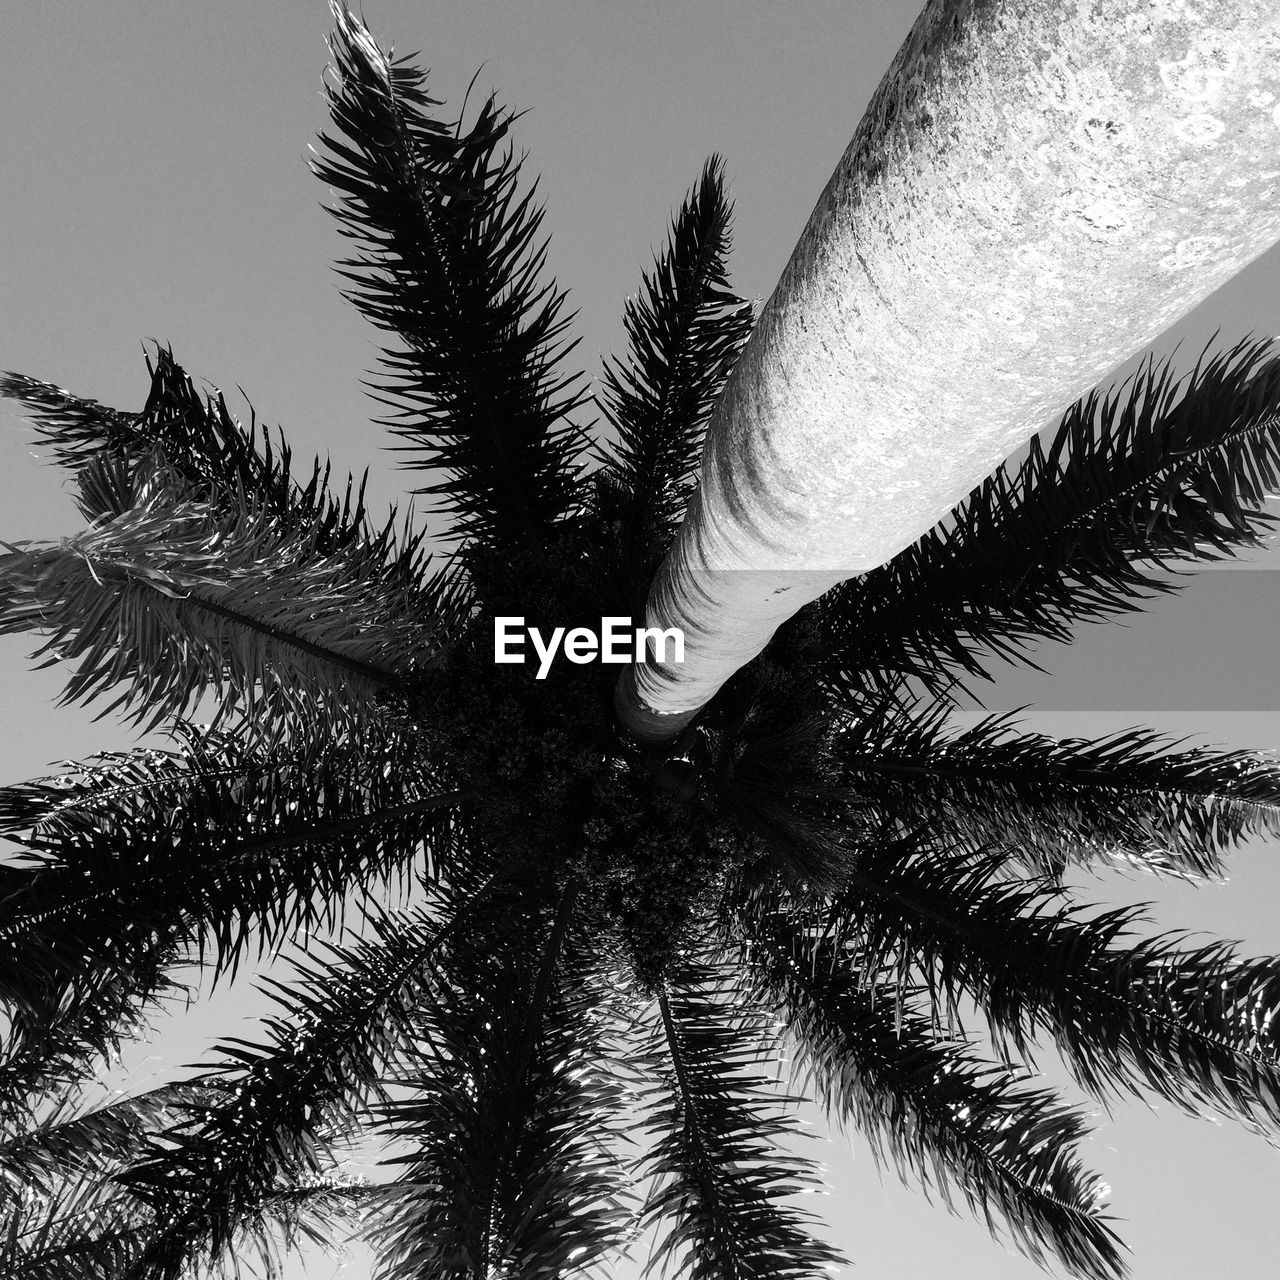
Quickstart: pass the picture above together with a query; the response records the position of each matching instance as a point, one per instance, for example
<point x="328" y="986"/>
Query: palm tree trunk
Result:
<point x="1036" y="191"/>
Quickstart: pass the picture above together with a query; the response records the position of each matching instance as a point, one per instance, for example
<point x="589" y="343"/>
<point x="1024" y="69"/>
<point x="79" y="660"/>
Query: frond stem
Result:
<point x="366" y="671"/>
<point x="688" y="1105"/>
<point x="246" y="850"/>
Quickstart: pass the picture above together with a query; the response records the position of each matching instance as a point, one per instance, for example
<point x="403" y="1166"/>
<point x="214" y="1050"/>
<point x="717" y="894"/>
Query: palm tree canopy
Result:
<point x="518" y="941"/>
<point x="943" y="302"/>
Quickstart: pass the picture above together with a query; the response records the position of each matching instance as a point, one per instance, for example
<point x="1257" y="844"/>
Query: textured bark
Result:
<point x="1037" y="189"/>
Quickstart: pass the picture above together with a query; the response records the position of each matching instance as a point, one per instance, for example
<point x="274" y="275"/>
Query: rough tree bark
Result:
<point x="1037" y="189"/>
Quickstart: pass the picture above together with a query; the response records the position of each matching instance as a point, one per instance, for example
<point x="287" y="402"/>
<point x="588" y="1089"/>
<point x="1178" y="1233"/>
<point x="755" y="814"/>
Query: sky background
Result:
<point x="153" y="185"/>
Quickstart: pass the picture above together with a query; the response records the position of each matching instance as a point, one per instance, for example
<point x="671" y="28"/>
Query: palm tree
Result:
<point x="566" y="940"/>
<point x="944" y="301"/>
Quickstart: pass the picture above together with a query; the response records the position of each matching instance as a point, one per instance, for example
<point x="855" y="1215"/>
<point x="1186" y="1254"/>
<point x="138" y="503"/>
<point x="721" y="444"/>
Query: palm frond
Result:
<point x="322" y="1211"/>
<point x="51" y="1053"/>
<point x="716" y="1127"/>
<point x="282" y="1109"/>
<point x="174" y="601"/>
<point x="927" y="1101"/>
<point x="62" y="1213"/>
<point x="448" y="264"/>
<point x="69" y="1141"/>
<point x="225" y="465"/>
<point x="74" y="426"/>
<point x="1128" y="799"/>
<point x="685" y="330"/>
<point x="146" y="859"/>
<point x="1150" y="471"/>
<point x="85" y="1231"/>
<point x="96" y="1231"/>
<point x="511" y="1115"/>
<point x="1194" y="1025"/>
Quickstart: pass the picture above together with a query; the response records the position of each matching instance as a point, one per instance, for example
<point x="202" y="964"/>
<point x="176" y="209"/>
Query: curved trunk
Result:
<point x="1036" y="191"/>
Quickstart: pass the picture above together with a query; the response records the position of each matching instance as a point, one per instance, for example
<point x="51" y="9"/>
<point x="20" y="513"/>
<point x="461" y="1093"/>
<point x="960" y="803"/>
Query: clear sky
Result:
<point x="153" y="184"/>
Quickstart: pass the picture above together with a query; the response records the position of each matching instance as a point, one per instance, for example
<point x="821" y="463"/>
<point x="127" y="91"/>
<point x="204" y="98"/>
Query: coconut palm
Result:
<point x="520" y="940"/>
